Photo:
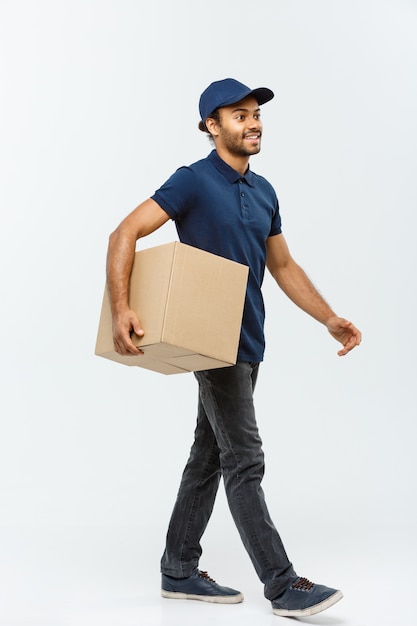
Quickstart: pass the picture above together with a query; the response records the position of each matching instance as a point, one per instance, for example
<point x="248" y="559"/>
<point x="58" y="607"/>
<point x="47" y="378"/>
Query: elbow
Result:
<point x="114" y="240"/>
<point x="272" y="269"/>
<point x="282" y="272"/>
<point x="114" y="236"/>
<point x="121" y="235"/>
<point x="277" y="269"/>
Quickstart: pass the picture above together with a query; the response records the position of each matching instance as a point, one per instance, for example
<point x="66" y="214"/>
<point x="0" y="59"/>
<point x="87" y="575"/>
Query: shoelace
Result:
<point x="303" y="584"/>
<point x="205" y="576"/>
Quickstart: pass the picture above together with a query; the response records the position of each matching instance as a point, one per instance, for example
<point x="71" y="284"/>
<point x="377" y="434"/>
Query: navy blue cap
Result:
<point x="228" y="91"/>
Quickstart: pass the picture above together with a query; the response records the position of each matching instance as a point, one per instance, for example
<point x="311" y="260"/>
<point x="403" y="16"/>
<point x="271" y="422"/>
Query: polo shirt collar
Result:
<point x="228" y="172"/>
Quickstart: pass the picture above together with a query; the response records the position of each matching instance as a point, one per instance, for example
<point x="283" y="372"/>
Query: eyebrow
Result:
<point x="246" y="110"/>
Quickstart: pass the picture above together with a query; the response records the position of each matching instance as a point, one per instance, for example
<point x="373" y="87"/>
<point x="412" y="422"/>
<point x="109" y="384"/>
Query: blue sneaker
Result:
<point x="305" y="598"/>
<point x="198" y="586"/>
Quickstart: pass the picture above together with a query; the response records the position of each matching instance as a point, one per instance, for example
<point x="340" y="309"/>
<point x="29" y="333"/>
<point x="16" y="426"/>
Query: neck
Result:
<point x="236" y="161"/>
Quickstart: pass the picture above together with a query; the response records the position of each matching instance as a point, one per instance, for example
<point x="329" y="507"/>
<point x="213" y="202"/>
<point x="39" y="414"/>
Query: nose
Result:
<point x="255" y="123"/>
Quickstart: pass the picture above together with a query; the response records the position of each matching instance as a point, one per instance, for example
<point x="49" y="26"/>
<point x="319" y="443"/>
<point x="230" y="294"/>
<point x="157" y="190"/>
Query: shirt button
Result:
<point x="243" y="194"/>
<point x="240" y="182"/>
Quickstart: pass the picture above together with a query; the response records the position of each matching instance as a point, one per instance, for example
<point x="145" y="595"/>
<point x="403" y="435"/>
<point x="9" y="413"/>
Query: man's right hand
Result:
<point x="123" y="325"/>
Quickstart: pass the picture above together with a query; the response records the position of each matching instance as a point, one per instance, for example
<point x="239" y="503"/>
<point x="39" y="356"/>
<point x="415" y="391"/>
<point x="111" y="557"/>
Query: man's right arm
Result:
<point x="145" y="219"/>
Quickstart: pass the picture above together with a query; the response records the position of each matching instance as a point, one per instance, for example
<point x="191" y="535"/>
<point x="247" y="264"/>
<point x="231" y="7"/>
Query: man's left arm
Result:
<point x="294" y="282"/>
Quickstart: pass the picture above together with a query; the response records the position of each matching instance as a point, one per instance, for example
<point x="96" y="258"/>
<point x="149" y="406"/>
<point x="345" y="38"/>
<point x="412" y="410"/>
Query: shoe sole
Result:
<point x="310" y="610"/>
<point x="178" y="595"/>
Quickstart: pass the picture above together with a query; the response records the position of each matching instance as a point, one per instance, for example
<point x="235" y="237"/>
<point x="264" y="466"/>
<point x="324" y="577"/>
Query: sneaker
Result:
<point x="305" y="598"/>
<point x="198" y="586"/>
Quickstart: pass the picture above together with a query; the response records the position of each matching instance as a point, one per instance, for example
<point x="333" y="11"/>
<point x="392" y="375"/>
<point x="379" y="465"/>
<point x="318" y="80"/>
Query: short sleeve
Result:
<point x="177" y="194"/>
<point x="276" y="221"/>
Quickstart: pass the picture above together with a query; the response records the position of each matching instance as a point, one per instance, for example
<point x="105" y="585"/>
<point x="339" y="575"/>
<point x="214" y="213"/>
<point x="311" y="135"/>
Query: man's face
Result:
<point x="240" y="128"/>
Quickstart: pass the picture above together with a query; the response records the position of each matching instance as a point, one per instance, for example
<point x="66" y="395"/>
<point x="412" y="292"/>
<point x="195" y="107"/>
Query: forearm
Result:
<point x="298" y="287"/>
<point x="295" y="283"/>
<point x="120" y="256"/>
<point x="145" y="219"/>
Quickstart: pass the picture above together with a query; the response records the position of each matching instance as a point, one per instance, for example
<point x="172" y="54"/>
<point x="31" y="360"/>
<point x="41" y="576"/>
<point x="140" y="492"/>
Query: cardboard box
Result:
<point x="190" y="304"/>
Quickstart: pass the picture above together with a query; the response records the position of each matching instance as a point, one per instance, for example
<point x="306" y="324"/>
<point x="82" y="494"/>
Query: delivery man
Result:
<point x="220" y="205"/>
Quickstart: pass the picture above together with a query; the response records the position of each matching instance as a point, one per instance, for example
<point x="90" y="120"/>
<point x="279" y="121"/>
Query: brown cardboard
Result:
<point x="190" y="304"/>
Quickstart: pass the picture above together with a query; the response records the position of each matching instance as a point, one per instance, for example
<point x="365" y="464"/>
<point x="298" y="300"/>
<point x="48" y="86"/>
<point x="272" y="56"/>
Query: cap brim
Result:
<point x="262" y="95"/>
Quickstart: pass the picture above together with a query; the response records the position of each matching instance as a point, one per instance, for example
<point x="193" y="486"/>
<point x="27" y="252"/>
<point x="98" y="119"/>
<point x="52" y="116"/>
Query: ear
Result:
<point x="212" y="126"/>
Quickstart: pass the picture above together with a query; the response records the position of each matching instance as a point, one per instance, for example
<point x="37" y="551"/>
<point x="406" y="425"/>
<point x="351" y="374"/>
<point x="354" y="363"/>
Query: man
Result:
<point x="221" y="206"/>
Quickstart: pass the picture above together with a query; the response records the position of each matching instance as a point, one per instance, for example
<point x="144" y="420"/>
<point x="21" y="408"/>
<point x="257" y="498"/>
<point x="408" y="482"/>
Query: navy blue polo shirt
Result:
<point x="218" y="210"/>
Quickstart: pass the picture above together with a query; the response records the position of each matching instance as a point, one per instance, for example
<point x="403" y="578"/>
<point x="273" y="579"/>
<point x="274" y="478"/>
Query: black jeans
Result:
<point x="226" y="443"/>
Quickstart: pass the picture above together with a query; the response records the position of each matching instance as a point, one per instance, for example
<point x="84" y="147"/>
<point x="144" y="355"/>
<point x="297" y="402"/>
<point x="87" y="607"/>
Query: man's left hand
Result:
<point x="344" y="331"/>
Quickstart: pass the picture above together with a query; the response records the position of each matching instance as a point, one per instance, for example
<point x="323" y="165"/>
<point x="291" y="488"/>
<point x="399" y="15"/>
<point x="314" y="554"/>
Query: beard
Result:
<point x="236" y="144"/>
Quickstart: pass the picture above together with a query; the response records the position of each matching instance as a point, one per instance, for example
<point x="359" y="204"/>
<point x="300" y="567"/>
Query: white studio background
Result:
<point x="98" y="107"/>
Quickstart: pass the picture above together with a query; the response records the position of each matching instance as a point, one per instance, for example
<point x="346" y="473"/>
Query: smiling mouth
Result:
<point x="253" y="137"/>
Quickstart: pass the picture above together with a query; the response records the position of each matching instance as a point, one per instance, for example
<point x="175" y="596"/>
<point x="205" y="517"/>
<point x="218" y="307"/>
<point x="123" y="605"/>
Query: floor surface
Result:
<point x="108" y="577"/>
